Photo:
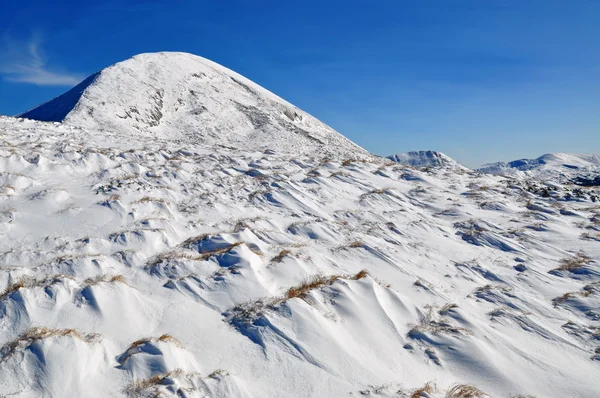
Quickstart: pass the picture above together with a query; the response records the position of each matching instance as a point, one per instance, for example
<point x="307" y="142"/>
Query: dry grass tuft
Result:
<point x="282" y="254"/>
<point x="196" y="239"/>
<point x="586" y="291"/>
<point x="360" y="275"/>
<point x="165" y="338"/>
<point x="339" y="173"/>
<point x="428" y="388"/>
<point x="172" y="255"/>
<point x="355" y="244"/>
<point x="378" y="191"/>
<point x="218" y="373"/>
<point x="105" y="279"/>
<point x="139" y="387"/>
<point x="31" y="282"/>
<point x="244" y="223"/>
<point x="35" y="334"/>
<point x="572" y="263"/>
<point x="320" y="281"/>
<point x="131" y="350"/>
<point x="464" y="391"/>
<point x="148" y="199"/>
<point x="309" y="284"/>
<point x="246" y="313"/>
<point x="447" y="308"/>
<point x="430" y="322"/>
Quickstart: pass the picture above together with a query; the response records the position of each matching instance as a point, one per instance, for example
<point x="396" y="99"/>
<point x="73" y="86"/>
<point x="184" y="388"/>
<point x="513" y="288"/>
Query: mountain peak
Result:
<point x="182" y="96"/>
<point x="425" y="159"/>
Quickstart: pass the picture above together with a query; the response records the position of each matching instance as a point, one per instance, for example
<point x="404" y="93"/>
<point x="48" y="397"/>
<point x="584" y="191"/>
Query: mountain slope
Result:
<point x="133" y="266"/>
<point x="184" y="97"/>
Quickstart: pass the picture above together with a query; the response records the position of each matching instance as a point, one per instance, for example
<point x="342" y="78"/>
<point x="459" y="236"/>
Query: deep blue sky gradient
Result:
<point x="479" y="80"/>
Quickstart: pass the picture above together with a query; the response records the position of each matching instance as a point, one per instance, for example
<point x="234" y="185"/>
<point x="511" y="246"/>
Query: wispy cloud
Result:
<point x="24" y="62"/>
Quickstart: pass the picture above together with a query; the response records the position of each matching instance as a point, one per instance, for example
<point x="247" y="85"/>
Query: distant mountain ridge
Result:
<point x="425" y="159"/>
<point x="551" y="166"/>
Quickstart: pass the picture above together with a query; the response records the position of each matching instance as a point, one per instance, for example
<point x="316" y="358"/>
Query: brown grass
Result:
<point x="464" y="391"/>
<point x="428" y="388"/>
<point x="590" y="236"/>
<point x="31" y="282"/>
<point x="173" y="255"/>
<point x="35" y="334"/>
<point x="572" y="263"/>
<point x="197" y="238"/>
<point x="319" y="281"/>
<point x="245" y="313"/>
<point x="309" y="284"/>
<point x="105" y="279"/>
<point x="447" y="308"/>
<point x="562" y="298"/>
<point x="377" y="191"/>
<point x="360" y="275"/>
<point x="138" y="387"/>
<point x="243" y="223"/>
<point x="282" y="254"/>
<point x="355" y="244"/>
<point x="148" y="199"/>
<point x="166" y="338"/>
<point x="586" y="291"/>
<point x="338" y="174"/>
<point x="178" y="255"/>
<point x="218" y="373"/>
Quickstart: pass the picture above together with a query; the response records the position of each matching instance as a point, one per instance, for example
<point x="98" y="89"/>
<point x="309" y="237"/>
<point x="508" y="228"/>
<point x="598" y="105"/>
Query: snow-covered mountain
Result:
<point x="551" y="166"/>
<point x="137" y="264"/>
<point x="188" y="98"/>
<point x="425" y="159"/>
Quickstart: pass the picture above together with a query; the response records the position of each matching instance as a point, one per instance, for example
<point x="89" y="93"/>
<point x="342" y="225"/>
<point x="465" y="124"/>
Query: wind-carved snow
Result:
<point x="188" y="98"/>
<point x="136" y="264"/>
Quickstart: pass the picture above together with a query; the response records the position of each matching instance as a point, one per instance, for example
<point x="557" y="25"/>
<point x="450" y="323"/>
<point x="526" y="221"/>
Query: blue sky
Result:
<point x="479" y="80"/>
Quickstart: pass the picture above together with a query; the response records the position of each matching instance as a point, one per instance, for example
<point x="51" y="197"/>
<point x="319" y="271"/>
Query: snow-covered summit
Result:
<point x="181" y="96"/>
<point x="425" y="159"/>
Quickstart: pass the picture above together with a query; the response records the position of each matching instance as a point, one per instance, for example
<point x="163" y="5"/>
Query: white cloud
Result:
<point x="24" y="62"/>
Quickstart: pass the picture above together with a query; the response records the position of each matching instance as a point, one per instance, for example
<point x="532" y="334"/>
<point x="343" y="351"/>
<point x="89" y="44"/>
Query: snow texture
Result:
<point x="160" y="252"/>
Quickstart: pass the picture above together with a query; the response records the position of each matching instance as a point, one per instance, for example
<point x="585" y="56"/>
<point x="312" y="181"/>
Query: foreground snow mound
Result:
<point x="132" y="265"/>
<point x="425" y="159"/>
<point x="185" y="97"/>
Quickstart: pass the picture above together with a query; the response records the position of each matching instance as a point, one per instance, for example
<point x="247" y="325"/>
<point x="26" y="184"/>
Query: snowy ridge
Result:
<point x="551" y="166"/>
<point x="426" y="159"/>
<point x="136" y="266"/>
<point x="188" y="98"/>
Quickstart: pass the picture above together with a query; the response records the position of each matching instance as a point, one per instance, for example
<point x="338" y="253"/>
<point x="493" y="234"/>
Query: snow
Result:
<point x="141" y="260"/>
<point x="548" y="167"/>
<point x="426" y="159"/>
<point x="184" y="97"/>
